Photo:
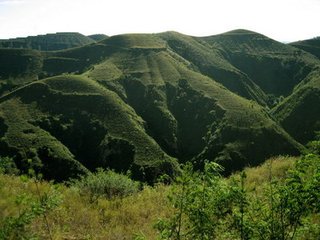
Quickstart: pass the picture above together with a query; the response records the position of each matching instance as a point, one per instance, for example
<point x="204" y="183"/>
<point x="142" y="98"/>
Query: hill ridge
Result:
<point x="145" y="102"/>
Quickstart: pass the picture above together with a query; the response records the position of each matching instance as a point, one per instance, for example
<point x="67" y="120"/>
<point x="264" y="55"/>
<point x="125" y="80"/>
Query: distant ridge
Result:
<point x="48" y="42"/>
<point x="310" y="45"/>
<point x="98" y="37"/>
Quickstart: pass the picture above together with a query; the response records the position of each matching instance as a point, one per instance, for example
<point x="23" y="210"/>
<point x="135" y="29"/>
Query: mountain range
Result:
<point x="146" y="102"/>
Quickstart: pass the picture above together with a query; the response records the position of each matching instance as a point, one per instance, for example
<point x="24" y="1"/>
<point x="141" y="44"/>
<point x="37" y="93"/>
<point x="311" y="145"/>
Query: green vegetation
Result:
<point x="300" y="109"/>
<point x="164" y="109"/>
<point x="107" y="184"/>
<point x="146" y="102"/>
<point x="277" y="200"/>
<point x="39" y="127"/>
<point x="48" y="42"/>
<point x="276" y="68"/>
<point x="310" y="45"/>
<point x="98" y="37"/>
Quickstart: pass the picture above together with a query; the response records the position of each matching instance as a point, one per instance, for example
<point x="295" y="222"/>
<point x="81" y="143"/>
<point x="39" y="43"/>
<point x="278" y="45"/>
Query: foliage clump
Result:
<point x="208" y="206"/>
<point x="107" y="184"/>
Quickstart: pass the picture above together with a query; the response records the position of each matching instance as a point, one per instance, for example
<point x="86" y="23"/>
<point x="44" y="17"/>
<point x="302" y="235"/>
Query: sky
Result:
<point x="282" y="20"/>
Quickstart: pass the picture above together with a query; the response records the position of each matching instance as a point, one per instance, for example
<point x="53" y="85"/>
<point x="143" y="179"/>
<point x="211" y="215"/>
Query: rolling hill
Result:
<point x="145" y="102"/>
<point x="49" y="42"/>
<point x="310" y="45"/>
<point x="299" y="113"/>
<point x="273" y="66"/>
<point x="98" y="37"/>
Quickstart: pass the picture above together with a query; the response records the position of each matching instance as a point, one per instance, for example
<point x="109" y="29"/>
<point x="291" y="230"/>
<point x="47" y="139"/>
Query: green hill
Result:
<point x="48" y="42"/>
<point x="191" y="116"/>
<point x="98" y="37"/>
<point x="69" y="123"/>
<point x="18" y="66"/>
<point x="211" y="61"/>
<point x="273" y="66"/>
<point x="143" y="102"/>
<point x="311" y="45"/>
<point x="299" y="113"/>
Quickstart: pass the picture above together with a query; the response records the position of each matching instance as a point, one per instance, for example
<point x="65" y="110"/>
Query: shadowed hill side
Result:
<point x="191" y="116"/>
<point x="299" y="113"/>
<point x="48" y="42"/>
<point x="91" y="123"/>
<point x="17" y="67"/>
<point x="275" y="67"/>
<point x="139" y="102"/>
<point x="310" y="45"/>
<point x="98" y="37"/>
<point x="212" y="62"/>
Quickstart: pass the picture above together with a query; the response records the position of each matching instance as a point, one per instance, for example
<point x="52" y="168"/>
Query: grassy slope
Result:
<point x="48" y="42"/>
<point x="19" y="65"/>
<point x="275" y="67"/>
<point x="190" y="115"/>
<point x="98" y="37"/>
<point x="200" y="119"/>
<point x="77" y="218"/>
<point x="310" y="45"/>
<point x="93" y="122"/>
<point x="211" y="61"/>
<point x="301" y="109"/>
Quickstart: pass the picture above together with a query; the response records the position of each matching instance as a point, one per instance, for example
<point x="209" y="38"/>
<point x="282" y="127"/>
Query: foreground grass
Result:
<point x="77" y="216"/>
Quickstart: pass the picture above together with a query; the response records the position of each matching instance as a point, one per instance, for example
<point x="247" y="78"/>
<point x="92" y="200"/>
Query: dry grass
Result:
<point x="276" y="168"/>
<point x="78" y="218"/>
<point x="116" y="219"/>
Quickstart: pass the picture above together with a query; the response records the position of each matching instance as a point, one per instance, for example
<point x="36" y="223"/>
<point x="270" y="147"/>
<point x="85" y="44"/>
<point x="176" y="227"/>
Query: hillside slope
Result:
<point x="68" y="123"/>
<point x="48" y="42"/>
<point x="211" y="61"/>
<point x="98" y="37"/>
<point x="190" y="115"/>
<point x="299" y="114"/>
<point x="310" y="45"/>
<point x="140" y="102"/>
<point x="275" y="67"/>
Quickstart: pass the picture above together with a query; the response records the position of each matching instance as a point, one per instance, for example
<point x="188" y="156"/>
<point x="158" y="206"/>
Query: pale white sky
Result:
<point x="283" y="20"/>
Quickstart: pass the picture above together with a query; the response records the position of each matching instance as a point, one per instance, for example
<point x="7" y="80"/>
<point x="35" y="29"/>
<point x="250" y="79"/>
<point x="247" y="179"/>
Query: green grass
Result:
<point x="77" y="217"/>
<point x="310" y="45"/>
<point x="210" y="60"/>
<point x="273" y="66"/>
<point x="48" y="42"/>
<point x="20" y="65"/>
<point x="93" y="126"/>
<point x="146" y="99"/>
<point x="300" y="110"/>
<point x="135" y="41"/>
<point x="98" y="37"/>
<point x="161" y="85"/>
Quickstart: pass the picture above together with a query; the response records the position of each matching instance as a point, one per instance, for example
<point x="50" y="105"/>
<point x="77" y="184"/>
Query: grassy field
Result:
<point x="77" y="216"/>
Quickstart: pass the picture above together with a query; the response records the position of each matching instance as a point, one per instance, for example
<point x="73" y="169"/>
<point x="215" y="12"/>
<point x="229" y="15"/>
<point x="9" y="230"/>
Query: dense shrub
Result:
<point x="106" y="183"/>
<point x="8" y="166"/>
<point x="208" y="206"/>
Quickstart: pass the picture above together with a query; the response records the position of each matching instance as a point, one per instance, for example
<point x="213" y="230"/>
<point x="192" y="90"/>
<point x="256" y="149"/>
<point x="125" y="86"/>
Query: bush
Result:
<point x="106" y="183"/>
<point x="210" y="207"/>
<point x="8" y="166"/>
